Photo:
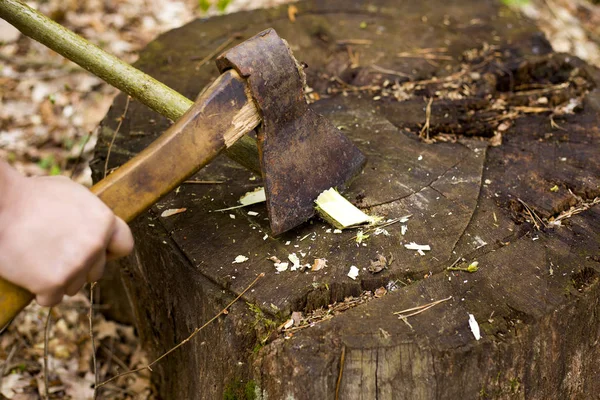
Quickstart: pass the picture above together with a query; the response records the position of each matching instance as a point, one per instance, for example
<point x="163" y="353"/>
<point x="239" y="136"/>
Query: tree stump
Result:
<point x="474" y="128"/>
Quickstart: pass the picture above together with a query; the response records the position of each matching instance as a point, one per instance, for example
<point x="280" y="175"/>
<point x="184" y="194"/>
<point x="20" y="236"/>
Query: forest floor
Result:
<point x="49" y="111"/>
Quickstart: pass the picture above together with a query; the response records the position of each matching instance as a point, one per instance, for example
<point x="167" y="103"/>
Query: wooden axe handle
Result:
<point x="222" y="114"/>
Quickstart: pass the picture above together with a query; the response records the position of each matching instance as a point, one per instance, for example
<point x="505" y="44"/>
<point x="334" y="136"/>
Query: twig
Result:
<point x="46" y="335"/>
<point x="6" y="363"/>
<point x="425" y="56"/>
<point x="419" y="309"/>
<point x="339" y="379"/>
<point x="354" y="41"/>
<point x="427" y="119"/>
<point x="435" y="79"/>
<point x="112" y="355"/>
<point x="121" y="118"/>
<point x="389" y="71"/>
<point x="375" y="227"/>
<point x="343" y="83"/>
<point x="543" y="90"/>
<point x="190" y="337"/>
<point x="85" y="142"/>
<point x="554" y="125"/>
<point x="583" y="206"/>
<point x="403" y="318"/>
<point x="455" y="262"/>
<point x="218" y="50"/>
<point x="534" y="217"/>
<point x="92" y="340"/>
<point x="204" y="182"/>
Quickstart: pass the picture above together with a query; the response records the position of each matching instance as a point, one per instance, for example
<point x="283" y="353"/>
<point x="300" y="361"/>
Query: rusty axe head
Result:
<point x="301" y="153"/>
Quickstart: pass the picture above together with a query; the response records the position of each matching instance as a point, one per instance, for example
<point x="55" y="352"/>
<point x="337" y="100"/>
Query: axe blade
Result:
<point x="301" y="153"/>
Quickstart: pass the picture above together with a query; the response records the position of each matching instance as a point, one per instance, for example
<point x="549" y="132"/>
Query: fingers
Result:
<point x="72" y="288"/>
<point x="49" y="299"/>
<point x="75" y="285"/>
<point x="120" y="244"/>
<point x="97" y="270"/>
<point x="121" y="241"/>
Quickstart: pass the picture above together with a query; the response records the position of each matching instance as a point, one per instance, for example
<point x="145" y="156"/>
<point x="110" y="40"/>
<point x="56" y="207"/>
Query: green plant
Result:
<point x="204" y="5"/>
<point x="49" y="164"/>
<point x="515" y="3"/>
<point x="237" y="391"/>
<point x="220" y="4"/>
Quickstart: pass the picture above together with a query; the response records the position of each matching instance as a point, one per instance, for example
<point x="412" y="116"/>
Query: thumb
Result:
<point x="121" y="241"/>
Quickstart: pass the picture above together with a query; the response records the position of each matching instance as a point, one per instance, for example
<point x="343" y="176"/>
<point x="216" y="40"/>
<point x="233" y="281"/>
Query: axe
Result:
<point x="300" y="153"/>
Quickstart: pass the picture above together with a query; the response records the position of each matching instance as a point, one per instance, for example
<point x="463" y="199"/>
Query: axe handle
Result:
<point x="222" y="115"/>
<point x="114" y="71"/>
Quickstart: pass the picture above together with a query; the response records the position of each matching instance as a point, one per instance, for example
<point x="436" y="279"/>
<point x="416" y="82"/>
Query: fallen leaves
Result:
<point x="69" y="354"/>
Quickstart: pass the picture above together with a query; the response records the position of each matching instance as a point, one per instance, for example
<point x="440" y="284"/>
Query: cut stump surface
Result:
<point x="497" y="174"/>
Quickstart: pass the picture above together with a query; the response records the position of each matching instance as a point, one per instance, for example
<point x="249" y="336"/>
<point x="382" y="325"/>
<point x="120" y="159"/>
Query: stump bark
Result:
<point x="505" y="171"/>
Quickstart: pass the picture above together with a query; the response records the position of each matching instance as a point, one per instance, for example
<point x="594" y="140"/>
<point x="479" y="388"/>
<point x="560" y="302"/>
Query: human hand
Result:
<point x="55" y="235"/>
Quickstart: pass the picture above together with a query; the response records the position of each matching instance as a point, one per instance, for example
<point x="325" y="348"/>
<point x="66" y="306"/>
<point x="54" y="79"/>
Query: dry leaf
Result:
<point x="105" y="329"/>
<point x="319" y="264"/>
<point x="292" y="11"/>
<point x="378" y="264"/>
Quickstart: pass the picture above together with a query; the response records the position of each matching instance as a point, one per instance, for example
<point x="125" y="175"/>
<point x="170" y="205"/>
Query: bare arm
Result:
<point x="55" y="235"/>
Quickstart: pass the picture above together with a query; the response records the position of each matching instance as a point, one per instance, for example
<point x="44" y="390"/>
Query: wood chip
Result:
<point x="240" y="259"/>
<point x="254" y="197"/>
<point x="420" y="248"/>
<point x="339" y="212"/>
<point x="280" y="267"/>
<point x="474" y="327"/>
<point x="172" y="211"/>
<point x="353" y="273"/>
<point x="295" y="261"/>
